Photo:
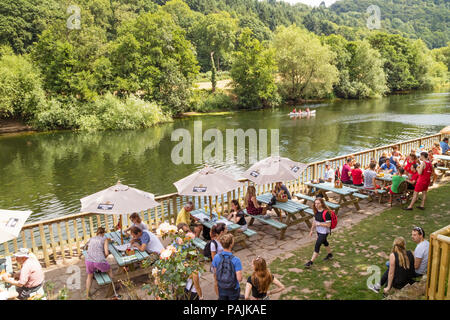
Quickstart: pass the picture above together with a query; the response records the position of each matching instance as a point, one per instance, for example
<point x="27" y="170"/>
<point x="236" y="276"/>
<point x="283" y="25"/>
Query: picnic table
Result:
<point x="205" y="219"/>
<point x="295" y="212"/>
<point x="444" y="158"/>
<point x="7" y="266"/>
<point x="387" y="178"/>
<point x="347" y="195"/>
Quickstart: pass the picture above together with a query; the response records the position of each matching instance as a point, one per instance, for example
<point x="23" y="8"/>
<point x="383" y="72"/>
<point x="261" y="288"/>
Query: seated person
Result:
<point x="412" y="159"/>
<point x="294" y="111"/>
<point x="144" y="240"/>
<point x="137" y="222"/>
<point x="388" y="166"/>
<point x="357" y="175"/>
<point x="184" y="216"/>
<point x="237" y="215"/>
<point x="369" y="178"/>
<point x="396" y="180"/>
<point x="400" y="270"/>
<point x="396" y="156"/>
<point x="436" y="149"/>
<point x="97" y="251"/>
<point x="371" y="161"/>
<point x="307" y="111"/>
<point x="382" y="159"/>
<point x="251" y="204"/>
<point x="31" y="276"/>
<point x="421" y="251"/>
<point x="328" y="176"/>
<point x="280" y="191"/>
<point x="346" y="172"/>
<point x="444" y="145"/>
<point x="413" y="177"/>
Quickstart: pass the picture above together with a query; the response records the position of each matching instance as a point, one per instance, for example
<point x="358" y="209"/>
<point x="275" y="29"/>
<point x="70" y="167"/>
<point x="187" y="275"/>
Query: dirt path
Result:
<point x="221" y="84"/>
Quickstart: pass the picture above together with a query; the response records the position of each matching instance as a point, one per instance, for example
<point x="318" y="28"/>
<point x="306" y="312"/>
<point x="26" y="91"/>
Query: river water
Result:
<point x="49" y="172"/>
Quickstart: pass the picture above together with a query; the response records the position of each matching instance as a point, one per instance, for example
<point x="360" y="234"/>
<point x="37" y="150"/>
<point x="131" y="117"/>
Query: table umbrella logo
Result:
<point x="254" y="174"/>
<point x="295" y="169"/>
<point x="105" y="206"/>
<point x="11" y="223"/>
<point x="200" y="188"/>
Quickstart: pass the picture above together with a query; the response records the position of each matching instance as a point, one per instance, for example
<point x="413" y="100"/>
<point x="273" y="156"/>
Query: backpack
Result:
<point x="333" y="218"/>
<point x="226" y="273"/>
<point x="207" y="250"/>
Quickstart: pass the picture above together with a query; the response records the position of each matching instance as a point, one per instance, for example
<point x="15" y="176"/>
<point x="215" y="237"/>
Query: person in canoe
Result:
<point x="308" y="112"/>
<point x="293" y="111"/>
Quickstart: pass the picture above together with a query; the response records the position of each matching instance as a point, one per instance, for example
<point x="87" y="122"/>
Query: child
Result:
<point x="137" y="222"/>
<point x="237" y="215"/>
<point x="357" y="175"/>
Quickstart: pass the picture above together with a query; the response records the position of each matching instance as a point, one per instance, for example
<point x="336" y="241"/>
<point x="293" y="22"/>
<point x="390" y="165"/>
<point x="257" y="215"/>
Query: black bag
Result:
<point x="225" y="273"/>
<point x="207" y="250"/>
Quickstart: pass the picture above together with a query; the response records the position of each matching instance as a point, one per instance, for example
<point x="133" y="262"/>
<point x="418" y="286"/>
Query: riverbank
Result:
<point x="13" y="126"/>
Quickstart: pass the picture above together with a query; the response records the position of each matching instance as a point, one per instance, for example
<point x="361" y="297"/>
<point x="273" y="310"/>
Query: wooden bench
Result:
<point x="102" y="278"/>
<point x="360" y="195"/>
<point x="331" y="205"/>
<point x="371" y="192"/>
<point x="271" y="222"/>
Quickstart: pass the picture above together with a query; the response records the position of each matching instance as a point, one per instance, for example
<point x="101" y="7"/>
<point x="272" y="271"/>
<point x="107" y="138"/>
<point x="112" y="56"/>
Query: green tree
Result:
<point x="152" y="55"/>
<point x="253" y="73"/>
<point x="305" y="65"/>
<point x="21" y="93"/>
<point x="216" y="33"/>
<point x="361" y="73"/>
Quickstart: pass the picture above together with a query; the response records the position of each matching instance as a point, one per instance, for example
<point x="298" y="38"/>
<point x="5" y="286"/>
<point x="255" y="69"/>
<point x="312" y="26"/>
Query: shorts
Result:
<point x="391" y="192"/>
<point x="91" y="267"/>
<point x="321" y="239"/>
<point x="24" y="293"/>
<point x="243" y="227"/>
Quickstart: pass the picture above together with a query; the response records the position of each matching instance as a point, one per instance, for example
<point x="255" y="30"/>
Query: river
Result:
<point x="49" y="172"/>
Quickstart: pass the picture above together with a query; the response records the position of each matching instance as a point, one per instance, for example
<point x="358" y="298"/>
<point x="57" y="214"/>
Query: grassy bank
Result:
<point x="365" y="244"/>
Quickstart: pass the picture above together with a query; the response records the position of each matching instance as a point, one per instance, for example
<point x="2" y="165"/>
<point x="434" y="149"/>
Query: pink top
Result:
<point x="31" y="274"/>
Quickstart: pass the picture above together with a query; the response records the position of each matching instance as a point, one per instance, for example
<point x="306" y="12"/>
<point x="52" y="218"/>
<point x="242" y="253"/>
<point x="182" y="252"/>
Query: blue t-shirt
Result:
<point x="391" y="166"/>
<point x="445" y="147"/>
<point x="235" y="261"/>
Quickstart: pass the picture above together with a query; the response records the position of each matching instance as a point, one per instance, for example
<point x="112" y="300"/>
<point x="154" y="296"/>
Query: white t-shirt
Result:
<point x="329" y="174"/>
<point x="219" y="248"/>
<point x="4" y="295"/>
<point x="152" y="242"/>
<point x="141" y="226"/>
<point x="421" y="252"/>
<point x="368" y="178"/>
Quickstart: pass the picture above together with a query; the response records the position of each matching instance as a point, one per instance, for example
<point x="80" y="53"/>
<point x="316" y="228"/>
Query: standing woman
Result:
<point x="322" y="227"/>
<point x="259" y="282"/>
<point x="251" y="204"/>
<point x="425" y="171"/>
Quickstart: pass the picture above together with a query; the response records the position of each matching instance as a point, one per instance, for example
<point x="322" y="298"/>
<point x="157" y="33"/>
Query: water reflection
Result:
<point x="49" y="172"/>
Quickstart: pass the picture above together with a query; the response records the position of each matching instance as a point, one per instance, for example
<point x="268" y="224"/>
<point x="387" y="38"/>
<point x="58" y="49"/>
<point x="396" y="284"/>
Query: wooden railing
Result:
<point x="438" y="276"/>
<point x="62" y="238"/>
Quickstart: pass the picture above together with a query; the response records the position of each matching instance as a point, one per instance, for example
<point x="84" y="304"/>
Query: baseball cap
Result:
<point x="22" y="253"/>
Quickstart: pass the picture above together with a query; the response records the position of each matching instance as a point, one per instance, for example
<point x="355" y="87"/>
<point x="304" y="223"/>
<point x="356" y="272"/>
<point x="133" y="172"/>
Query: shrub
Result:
<point x="21" y="92"/>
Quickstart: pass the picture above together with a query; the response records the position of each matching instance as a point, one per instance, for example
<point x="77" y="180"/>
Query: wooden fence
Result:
<point x="438" y="276"/>
<point x="63" y="238"/>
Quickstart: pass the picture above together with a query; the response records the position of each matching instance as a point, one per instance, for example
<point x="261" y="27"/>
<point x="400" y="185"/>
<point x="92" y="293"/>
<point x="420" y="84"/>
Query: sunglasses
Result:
<point x="418" y="229"/>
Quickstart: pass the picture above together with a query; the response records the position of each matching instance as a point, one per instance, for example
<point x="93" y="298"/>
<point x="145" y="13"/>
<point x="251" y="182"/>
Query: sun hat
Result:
<point x="22" y="253"/>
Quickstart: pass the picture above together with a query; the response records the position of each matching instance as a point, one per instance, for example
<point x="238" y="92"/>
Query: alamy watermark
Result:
<point x="374" y="21"/>
<point x="190" y="149"/>
<point x="74" y="21"/>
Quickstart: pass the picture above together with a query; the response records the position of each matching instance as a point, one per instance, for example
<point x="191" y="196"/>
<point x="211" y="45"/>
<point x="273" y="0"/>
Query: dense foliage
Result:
<point x="141" y="57"/>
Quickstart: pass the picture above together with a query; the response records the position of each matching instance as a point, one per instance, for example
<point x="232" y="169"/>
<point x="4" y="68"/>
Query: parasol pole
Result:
<point x="210" y="207"/>
<point x="121" y="233"/>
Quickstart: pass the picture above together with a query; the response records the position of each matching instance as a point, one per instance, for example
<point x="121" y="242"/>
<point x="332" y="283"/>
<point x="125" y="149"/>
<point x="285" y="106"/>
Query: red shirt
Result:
<point x="408" y="166"/>
<point x="414" y="177"/>
<point x="357" y="176"/>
